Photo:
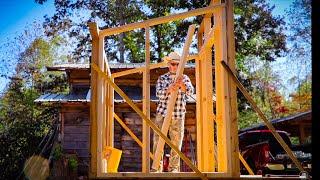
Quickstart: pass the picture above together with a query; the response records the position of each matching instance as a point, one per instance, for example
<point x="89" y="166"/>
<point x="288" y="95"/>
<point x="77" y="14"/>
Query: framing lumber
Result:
<point x="150" y="123"/>
<point x="199" y="124"/>
<point x="209" y="40"/>
<point x="222" y="93"/>
<point x="173" y="98"/>
<point x="106" y="121"/>
<point x="246" y="165"/>
<point x="164" y="175"/>
<point x="262" y="116"/>
<point x="206" y="100"/>
<point x="152" y="66"/>
<point x="146" y="106"/>
<point x="101" y="109"/>
<point x="125" y="127"/>
<point x="159" y="20"/>
<point x="110" y="107"/>
<point x="94" y="31"/>
<point x="235" y="164"/>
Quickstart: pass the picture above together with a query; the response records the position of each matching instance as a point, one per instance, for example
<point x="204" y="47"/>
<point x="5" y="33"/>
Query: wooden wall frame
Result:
<point x="218" y="34"/>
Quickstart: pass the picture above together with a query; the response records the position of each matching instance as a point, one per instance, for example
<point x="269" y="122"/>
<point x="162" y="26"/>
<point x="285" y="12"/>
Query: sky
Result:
<point x="16" y="14"/>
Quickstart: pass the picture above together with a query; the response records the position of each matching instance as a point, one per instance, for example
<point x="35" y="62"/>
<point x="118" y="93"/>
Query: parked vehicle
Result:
<point x="265" y="155"/>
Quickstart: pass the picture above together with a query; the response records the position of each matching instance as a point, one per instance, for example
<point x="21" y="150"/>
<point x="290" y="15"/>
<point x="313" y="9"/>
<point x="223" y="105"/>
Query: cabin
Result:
<point x="74" y="114"/>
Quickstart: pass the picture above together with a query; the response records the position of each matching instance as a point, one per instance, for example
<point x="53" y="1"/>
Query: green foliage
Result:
<point x="73" y="163"/>
<point x="21" y="135"/>
<point x="302" y="97"/>
<point x="247" y="118"/>
<point x="257" y="32"/>
<point x="57" y="152"/>
<point x="295" y="140"/>
<point x="69" y="22"/>
<point x="23" y="123"/>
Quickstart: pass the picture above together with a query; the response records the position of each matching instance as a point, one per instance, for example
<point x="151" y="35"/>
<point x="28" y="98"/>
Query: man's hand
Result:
<point x="178" y="84"/>
<point x="181" y="84"/>
<point x="173" y="87"/>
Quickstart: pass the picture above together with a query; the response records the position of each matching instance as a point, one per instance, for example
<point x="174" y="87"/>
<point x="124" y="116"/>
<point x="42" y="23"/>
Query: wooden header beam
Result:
<point x="159" y="20"/>
<point x="152" y="66"/>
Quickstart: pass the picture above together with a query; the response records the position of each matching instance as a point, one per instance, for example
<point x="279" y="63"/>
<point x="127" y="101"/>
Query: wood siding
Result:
<point x="77" y="127"/>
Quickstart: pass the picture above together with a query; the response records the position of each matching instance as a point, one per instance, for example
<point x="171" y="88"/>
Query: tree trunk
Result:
<point x="121" y="35"/>
<point x="121" y="47"/>
<point x="158" y="42"/>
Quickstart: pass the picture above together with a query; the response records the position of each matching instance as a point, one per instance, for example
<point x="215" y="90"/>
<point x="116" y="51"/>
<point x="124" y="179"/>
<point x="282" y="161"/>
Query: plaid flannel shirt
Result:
<point x="163" y="84"/>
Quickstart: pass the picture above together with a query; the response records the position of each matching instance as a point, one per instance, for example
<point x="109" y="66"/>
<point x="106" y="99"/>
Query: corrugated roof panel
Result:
<point x="63" y="67"/>
<point x="88" y="97"/>
<point x="122" y="66"/>
<point x="61" y="98"/>
<point x="134" y="94"/>
<point x="51" y="97"/>
<point x="130" y="66"/>
<point x="136" y="65"/>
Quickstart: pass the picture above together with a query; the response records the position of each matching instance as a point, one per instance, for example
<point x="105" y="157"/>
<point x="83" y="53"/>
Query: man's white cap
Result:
<point x="173" y="56"/>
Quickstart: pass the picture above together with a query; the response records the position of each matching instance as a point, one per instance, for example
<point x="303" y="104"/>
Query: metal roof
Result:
<point x="279" y="120"/>
<point x="63" y="67"/>
<point x="63" y="98"/>
<point x="134" y="93"/>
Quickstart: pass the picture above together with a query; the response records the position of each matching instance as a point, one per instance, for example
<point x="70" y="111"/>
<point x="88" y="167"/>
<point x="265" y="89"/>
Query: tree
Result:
<point x="301" y="98"/>
<point x="266" y="85"/>
<point x="70" y="21"/>
<point x="299" y="40"/>
<point x="23" y="124"/>
<point x="257" y="32"/>
<point x="169" y="35"/>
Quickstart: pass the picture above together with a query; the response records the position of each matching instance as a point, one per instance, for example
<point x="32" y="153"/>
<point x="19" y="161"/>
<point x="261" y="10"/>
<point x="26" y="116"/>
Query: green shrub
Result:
<point x="73" y="163"/>
<point x="57" y="152"/>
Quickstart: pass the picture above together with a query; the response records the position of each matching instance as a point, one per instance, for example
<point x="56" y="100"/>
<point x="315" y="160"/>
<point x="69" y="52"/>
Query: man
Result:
<point x="166" y="86"/>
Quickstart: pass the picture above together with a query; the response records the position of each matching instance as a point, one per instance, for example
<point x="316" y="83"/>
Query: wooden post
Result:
<point x="207" y="104"/>
<point x="172" y="100"/>
<point x="94" y="31"/>
<point x="146" y="106"/>
<point x="222" y="93"/>
<point x="111" y="91"/>
<point x="199" y="117"/>
<point x="110" y="118"/>
<point x="234" y="144"/>
<point x="101" y="109"/>
<point x="106" y="130"/>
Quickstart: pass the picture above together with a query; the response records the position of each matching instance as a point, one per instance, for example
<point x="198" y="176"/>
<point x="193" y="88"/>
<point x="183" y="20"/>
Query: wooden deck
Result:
<point x="184" y="175"/>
